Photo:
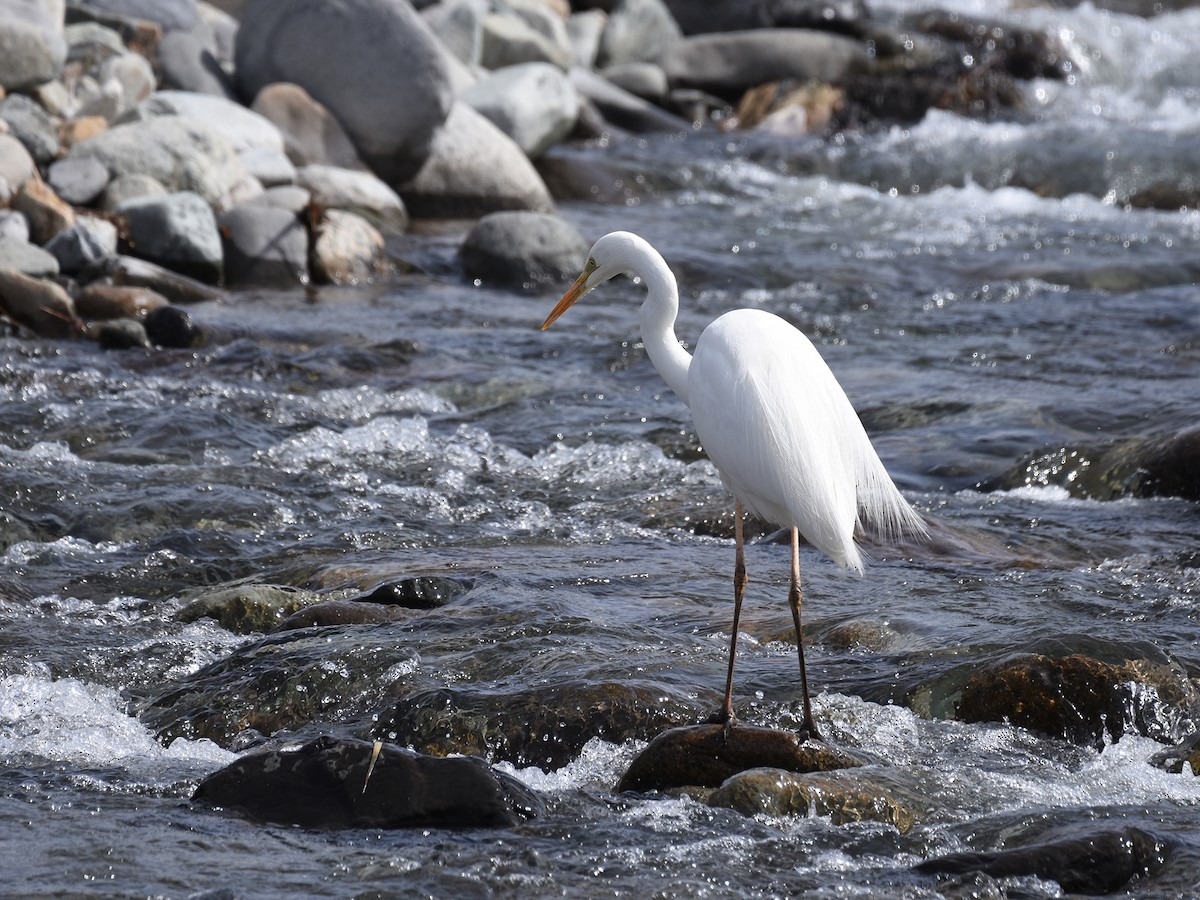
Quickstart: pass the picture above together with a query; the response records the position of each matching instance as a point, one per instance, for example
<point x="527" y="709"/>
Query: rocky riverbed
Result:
<point x="303" y="523"/>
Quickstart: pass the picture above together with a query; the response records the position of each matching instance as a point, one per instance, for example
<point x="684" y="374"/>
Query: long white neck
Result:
<point x="658" y="313"/>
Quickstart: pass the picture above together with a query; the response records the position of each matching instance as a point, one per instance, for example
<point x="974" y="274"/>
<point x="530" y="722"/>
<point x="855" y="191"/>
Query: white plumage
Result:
<point x="772" y="418"/>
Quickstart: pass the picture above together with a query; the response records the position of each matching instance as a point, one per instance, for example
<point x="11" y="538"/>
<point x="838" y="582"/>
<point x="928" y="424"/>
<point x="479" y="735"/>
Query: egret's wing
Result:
<point x="783" y="434"/>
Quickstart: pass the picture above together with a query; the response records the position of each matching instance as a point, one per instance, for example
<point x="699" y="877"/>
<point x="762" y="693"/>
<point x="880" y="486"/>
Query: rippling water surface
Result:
<point x="983" y="292"/>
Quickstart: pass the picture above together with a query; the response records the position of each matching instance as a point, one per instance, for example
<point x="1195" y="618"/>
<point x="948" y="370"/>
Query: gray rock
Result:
<point x="188" y="65"/>
<point x="728" y="64"/>
<point x="360" y="192"/>
<point x="542" y="18"/>
<point x="509" y="40"/>
<point x="264" y="245"/>
<point x="222" y="29"/>
<point x="129" y="187"/>
<point x="523" y="250"/>
<point x="311" y="133"/>
<point x="356" y="57"/>
<point x="18" y="255"/>
<point x="584" y="30"/>
<point x="533" y="103"/>
<point x="473" y="169"/>
<point x="291" y="197"/>
<point x="124" y="82"/>
<point x="347" y="249"/>
<point x="269" y="167"/>
<point x="642" y="79"/>
<point x="31" y="125"/>
<point x="172" y="15"/>
<point x="177" y="231"/>
<point x="244" y="129"/>
<point x="459" y="25"/>
<point x="180" y="154"/>
<point x="16" y="166"/>
<point x="638" y="31"/>
<point x="78" y="179"/>
<point x="622" y="108"/>
<point x="80" y="246"/>
<point x="32" y="49"/>
<point x="13" y="225"/>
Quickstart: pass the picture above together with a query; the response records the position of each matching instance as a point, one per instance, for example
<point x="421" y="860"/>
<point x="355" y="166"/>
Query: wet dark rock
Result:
<point x="356" y="58"/>
<point x="111" y="301"/>
<point x="419" y="592"/>
<point x="860" y="634"/>
<point x="523" y="250"/>
<point x="263" y="245"/>
<point x="1083" y="690"/>
<point x="1020" y="52"/>
<point x="704" y="16"/>
<point x="707" y="755"/>
<point x="43" y="307"/>
<point x="325" y="784"/>
<point x="844" y="797"/>
<point x="546" y="726"/>
<point x="1170" y="466"/>
<point x="170" y="326"/>
<point x="1184" y="754"/>
<point x="288" y="680"/>
<point x="340" y="612"/>
<point x="120" y="334"/>
<point x="1098" y="863"/>
<point x="248" y="608"/>
<point x="729" y="64"/>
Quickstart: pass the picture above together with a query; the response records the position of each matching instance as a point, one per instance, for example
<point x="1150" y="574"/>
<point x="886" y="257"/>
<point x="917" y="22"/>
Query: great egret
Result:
<point x="773" y="420"/>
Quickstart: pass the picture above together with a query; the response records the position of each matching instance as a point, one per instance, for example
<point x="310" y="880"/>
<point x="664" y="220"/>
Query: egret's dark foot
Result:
<point x="809" y="732"/>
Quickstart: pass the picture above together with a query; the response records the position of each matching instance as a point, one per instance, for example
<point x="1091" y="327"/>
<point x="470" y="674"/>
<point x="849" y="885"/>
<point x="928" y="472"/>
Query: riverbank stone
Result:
<point x="78" y="180"/>
<point x="311" y="133"/>
<point x="43" y="307"/>
<point x="45" y="210"/>
<point x="638" y="31"/>
<point x="264" y="246"/>
<point x="706" y="755"/>
<point x="18" y="255"/>
<point x="474" y="169"/>
<point x="523" y="250"/>
<point x="535" y="104"/>
<point x="32" y="49"/>
<point x="16" y="166"/>
<point x="341" y="783"/>
<point x="113" y="301"/>
<point x="178" y="231"/>
<point x="128" y="270"/>
<point x="84" y="244"/>
<point x="355" y="57"/>
<point x="188" y="64"/>
<point x="354" y="191"/>
<point x="32" y="126"/>
<point x="346" y="249"/>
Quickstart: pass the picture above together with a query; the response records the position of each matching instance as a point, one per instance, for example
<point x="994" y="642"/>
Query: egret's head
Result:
<point x="614" y="254"/>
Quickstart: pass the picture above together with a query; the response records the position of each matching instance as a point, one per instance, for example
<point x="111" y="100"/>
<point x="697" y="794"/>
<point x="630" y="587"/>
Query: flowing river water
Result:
<point x="993" y="307"/>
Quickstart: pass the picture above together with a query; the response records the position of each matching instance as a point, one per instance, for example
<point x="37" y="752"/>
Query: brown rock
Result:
<point x="707" y="755"/>
<point x="340" y="612"/>
<point x="73" y="131"/>
<point x="114" y="301"/>
<point x="311" y="133"/>
<point x="43" y="307"/>
<point x="843" y="796"/>
<point x="47" y="213"/>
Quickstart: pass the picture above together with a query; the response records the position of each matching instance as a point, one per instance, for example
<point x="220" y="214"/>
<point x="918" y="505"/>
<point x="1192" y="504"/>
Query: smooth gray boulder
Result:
<point x="18" y="255"/>
<point x="638" y="31"/>
<point x="360" y="192"/>
<point x="32" y="49"/>
<point x="728" y="64"/>
<point x="375" y="64"/>
<point x="523" y="250"/>
<point x="78" y="179"/>
<point x="535" y="104"/>
<point x="473" y="169"/>
<point x="187" y="64"/>
<point x="311" y="133"/>
<point x="181" y="154"/>
<point x="242" y="127"/>
<point x="177" y="231"/>
<point x="264" y="245"/>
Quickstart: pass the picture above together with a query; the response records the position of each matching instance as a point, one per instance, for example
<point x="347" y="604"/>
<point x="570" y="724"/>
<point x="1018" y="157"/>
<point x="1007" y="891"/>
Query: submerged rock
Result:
<point x="247" y="608"/>
<point x="1099" y="863"/>
<point x="844" y="797"/>
<point x="332" y="783"/>
<point x="707" y="755"/>
<point x="417" y="592"/>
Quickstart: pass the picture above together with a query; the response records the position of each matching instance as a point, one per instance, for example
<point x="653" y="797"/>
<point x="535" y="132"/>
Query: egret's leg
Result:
<point x="739" y="591"/>
<point x="794" y="601"/>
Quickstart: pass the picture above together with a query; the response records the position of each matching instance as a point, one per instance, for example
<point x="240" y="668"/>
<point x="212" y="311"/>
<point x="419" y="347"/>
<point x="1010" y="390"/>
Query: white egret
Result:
<point x="773" y="420"/>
